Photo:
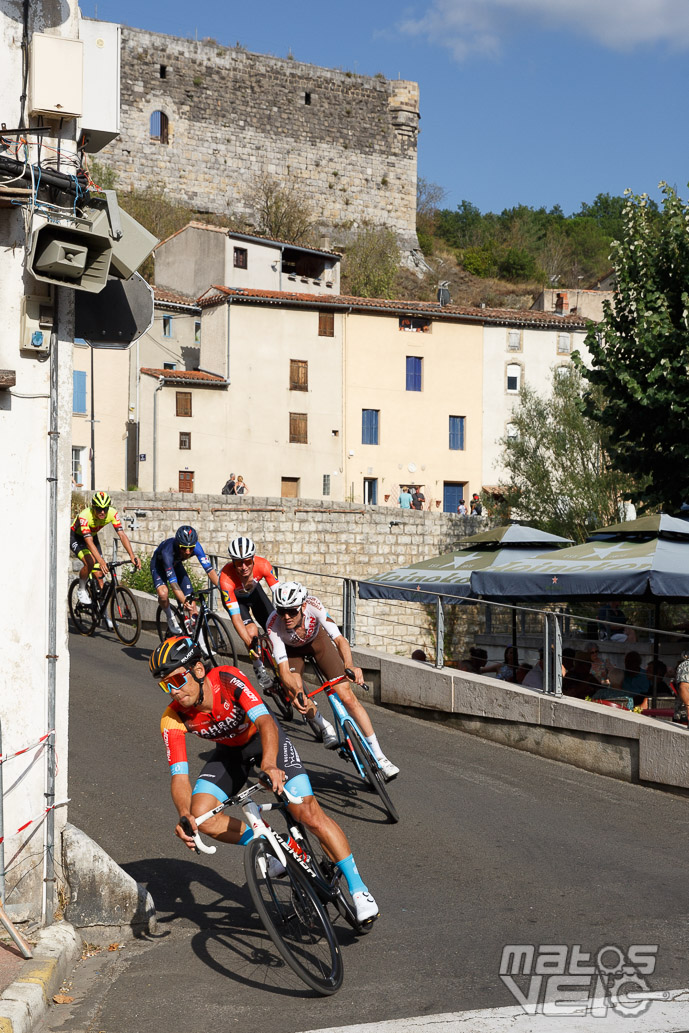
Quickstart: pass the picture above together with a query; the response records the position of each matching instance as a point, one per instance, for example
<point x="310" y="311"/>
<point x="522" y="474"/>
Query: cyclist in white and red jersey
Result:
<point x="301" y="626"/>
<point x="244" y="599"/>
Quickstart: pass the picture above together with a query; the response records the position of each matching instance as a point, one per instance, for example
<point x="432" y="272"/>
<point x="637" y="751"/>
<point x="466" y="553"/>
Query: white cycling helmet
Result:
<point x="241" y="549"/>
<point x="288" y="595"/>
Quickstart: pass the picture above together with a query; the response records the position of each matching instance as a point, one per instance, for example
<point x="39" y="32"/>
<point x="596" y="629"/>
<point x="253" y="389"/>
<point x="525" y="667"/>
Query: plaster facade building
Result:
<point x="205" y="123"/>
<point x="521" y="348"/>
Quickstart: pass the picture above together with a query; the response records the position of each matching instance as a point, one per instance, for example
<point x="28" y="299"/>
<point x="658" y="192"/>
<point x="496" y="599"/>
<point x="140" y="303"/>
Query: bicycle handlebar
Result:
<point x="347" y="676"/>
<point x="241" y="798"/>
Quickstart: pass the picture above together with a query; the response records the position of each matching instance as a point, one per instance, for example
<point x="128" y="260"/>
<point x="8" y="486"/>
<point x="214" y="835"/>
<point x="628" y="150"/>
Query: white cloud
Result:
<point x="481" y="26"/>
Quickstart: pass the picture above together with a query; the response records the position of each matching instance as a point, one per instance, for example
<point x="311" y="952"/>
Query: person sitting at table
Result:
<point x="507" y="670"/>
<point x="475" y="662"/>
<point x="579" y="681"/>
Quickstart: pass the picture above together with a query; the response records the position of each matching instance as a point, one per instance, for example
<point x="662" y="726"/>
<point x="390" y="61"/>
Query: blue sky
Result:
<point x="536" y="102"/>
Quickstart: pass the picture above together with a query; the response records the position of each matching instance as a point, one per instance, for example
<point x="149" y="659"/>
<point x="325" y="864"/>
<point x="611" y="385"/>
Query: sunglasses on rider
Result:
<point x="174" y="681"/>
<point x="290" y="611"/>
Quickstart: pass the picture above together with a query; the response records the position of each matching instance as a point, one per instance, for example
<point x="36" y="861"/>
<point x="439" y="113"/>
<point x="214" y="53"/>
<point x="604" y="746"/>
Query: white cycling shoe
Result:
<point x="173" y="628"/>
<point x="83" y="596"/>
<point x="330" y="739"/>
<point x="389" y="769"/>
<point x="365" y="906"/>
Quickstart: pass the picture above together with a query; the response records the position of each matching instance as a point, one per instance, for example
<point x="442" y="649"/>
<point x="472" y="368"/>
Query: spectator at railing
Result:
<point x="507" y="670"/>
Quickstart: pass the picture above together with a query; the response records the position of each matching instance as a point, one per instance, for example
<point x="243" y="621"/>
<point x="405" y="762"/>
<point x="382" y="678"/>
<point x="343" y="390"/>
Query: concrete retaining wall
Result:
<point x="609" y="742"/>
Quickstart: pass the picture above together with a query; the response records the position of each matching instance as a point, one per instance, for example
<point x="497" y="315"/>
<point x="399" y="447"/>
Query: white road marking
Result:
<point x="669" y="1013"/>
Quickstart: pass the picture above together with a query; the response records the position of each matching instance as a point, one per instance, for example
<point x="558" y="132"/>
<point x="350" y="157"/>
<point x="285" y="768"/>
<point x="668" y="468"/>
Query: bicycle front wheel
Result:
<point x="277" y="695"/>
<point x="216" y="642"/>
<point x="295" y="920"/>
<point x="372" y="773"/>
<point x="125" y="616"/>
<point x="82" y="614"/>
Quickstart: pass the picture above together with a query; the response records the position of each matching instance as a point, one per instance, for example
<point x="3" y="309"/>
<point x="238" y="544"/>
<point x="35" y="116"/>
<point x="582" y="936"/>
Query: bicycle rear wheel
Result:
<point x="125" y="616"/>
<point x="372" y="772"/>
<point x="83" y="614"/>
<point x="216" y="642"/>
<point x="295" y="920"/>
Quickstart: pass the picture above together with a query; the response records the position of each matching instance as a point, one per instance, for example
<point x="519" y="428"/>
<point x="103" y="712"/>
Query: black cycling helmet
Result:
<point x="174" y="652"/>
<point x="186" y="536"/>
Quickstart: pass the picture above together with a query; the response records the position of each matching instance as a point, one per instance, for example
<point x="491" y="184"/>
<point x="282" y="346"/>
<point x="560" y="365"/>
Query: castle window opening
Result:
<point x="241" y="258"/>
<point x="163" y="71"/>
<point x="159" y="127"/>
<point x="307" y="98"/>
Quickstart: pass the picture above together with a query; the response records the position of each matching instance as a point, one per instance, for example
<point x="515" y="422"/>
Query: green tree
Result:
<point x="370" y="265"/>
<point x="558" y="474"/>
<point x="280" y="211"/>
<point x="640" y="352"/>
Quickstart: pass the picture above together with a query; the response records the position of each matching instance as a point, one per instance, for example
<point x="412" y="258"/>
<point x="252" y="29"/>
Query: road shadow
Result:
<point x="230" y="938"/>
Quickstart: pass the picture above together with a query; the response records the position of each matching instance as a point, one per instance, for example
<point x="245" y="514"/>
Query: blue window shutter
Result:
<point x="457" y="432"/>
<point x="78" y="391"/>
<point x="369" y="426"/>
<point x="413" y="373"/>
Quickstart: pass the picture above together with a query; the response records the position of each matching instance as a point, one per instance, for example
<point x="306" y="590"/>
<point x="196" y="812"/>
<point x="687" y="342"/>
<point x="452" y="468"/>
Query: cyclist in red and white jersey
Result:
<point x="300" y="627"/>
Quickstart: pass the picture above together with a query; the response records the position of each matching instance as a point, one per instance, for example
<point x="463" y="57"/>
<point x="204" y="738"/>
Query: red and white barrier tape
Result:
<point x="37" y="818"/>
<point x="18" y="753"/>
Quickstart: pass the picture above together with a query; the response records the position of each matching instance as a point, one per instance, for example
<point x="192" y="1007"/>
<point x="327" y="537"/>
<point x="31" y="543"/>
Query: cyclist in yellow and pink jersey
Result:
<point x="84" y="543"/>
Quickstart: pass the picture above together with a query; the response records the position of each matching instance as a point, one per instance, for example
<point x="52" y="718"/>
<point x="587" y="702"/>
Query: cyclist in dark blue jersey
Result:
<point x="167" y="566"/>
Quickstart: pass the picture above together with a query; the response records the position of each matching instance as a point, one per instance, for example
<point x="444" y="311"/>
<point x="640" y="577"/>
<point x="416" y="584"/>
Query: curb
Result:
<point x="25" y="1001"/>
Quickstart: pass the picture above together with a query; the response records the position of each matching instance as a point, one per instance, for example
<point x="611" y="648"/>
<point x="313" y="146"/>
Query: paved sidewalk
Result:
<point x="27" y="985"/>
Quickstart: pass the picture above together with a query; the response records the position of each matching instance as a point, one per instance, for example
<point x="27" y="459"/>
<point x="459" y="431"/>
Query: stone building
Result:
<point x="205" y="122"/>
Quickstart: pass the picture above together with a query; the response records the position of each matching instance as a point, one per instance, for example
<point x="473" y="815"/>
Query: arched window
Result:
<point x="159" y="126"/>
<point x="514" y="373"/>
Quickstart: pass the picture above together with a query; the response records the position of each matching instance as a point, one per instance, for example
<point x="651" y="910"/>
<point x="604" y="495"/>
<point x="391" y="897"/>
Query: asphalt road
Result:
<point x="493" y="847"/>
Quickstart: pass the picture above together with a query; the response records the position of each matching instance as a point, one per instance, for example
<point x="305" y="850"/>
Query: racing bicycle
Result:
<point x="351" y="742"/>
<point x="273" y="689"/>
<point x="292" y="905"/>
<point x="205" y="628"/>
<point x="109" y="600"/>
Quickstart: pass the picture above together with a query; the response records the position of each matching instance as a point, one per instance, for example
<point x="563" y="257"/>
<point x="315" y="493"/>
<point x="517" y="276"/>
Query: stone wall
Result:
<point x="319" y="543"/>
<point x="347" y="141"/>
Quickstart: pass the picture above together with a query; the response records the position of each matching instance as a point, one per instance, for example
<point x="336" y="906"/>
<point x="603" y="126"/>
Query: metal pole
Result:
<point x="656" y="622"/>
<point x="53" y="433"/>
<point x="345" y="608"/>
<point x="439" y="633"/>
<point x="352" y="613"/>
<point x="547" y="659"/>
<point x="93" y="426"/>
<point x="155" y="433"/>
<point x="557" y="656"/>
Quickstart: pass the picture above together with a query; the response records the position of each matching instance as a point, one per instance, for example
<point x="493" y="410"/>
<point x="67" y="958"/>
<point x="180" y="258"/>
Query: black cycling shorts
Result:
<point x="257" y="602"/>
<point x="78" y="544"/>
<point x="228" y="769"/>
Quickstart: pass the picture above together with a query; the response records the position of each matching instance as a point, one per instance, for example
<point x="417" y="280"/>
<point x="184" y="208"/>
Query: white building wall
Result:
<point x="536" y="354"/>
<point x="24" y="435"/>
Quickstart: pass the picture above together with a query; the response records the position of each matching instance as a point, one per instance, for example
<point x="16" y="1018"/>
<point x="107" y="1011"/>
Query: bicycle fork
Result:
<point x="343" y="721"/>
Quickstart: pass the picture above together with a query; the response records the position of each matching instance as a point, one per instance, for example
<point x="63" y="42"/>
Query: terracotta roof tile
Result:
<point x="184" y="376"/>
<point x="162" y="294"/>
<point x="216" y="294"/>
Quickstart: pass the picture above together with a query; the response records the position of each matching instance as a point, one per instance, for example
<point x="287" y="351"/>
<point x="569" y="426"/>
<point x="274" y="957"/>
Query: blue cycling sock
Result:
<point x="351" y="873"/>
<point x="246" y="837"/>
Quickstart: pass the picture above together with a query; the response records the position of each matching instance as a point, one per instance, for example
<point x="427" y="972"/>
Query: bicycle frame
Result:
<point x="343" y="719"/>
<point x="253" y="816"/>
<point x="106" y="591"/>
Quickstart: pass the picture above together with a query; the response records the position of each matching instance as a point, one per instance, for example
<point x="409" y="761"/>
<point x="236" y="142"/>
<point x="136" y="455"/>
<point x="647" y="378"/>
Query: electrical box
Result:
<point x="100" y="119"/>
<point x="56" y="76"/>
<point x="36" y="323"/>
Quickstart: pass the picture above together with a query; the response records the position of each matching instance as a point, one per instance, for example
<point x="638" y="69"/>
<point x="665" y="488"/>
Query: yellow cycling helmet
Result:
<point x="101" y="500"/>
